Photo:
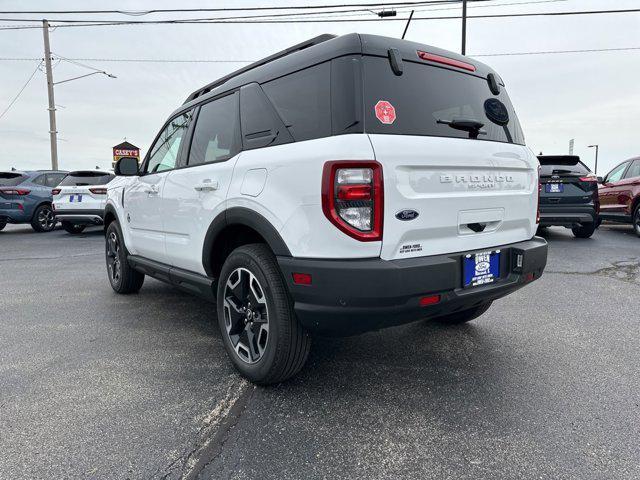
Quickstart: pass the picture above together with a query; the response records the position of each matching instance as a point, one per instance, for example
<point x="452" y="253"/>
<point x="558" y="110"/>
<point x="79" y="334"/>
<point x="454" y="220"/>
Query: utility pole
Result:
<point x="464" y="27"/>
<point x="53" y="132"/>
<point x="595" y="168"/>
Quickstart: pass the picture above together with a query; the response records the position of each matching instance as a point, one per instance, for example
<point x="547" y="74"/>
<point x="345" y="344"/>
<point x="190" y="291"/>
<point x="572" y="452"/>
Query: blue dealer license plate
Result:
<point x="554" y="188"/>
<point x="480" y="268"/>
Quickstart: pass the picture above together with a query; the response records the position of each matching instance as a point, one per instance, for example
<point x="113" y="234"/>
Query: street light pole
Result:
<point x="464" y="27"/>
<point x="53" y="132"/>
<point x="595" y="170"/>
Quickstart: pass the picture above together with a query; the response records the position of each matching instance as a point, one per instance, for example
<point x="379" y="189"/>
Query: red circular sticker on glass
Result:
<point x="385" y="112"/>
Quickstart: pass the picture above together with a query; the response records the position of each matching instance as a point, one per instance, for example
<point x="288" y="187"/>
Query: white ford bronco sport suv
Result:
<point x="343" y="185"/>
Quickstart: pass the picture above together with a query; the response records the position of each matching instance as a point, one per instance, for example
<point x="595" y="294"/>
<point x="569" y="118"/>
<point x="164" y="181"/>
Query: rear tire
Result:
<point x="463" y="316"/>
<point x="43" y="219"/>
<point x="264" y="339"/>
<point x="541" y="230"/>
<point x="122" y="277"/>
<point x="584" y="230"/>
<point x="636" y="220"/>
<point x="2" y="225"/>
<point x="73" y="228"/>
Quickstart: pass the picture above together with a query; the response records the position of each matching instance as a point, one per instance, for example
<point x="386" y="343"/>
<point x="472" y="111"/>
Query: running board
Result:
<point x="203" y="287"/>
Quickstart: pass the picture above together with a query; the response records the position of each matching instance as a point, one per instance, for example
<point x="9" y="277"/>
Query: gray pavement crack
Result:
<point x="211" y="436"/>
<point x="625" y="270"/>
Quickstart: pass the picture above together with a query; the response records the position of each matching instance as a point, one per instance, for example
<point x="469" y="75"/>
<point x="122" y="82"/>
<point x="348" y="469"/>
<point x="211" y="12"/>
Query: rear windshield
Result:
<point x="11" y="179"/>
<point x="424" y="95"/>
<point x="562" y="165"/>
<point x="79" y="179"/>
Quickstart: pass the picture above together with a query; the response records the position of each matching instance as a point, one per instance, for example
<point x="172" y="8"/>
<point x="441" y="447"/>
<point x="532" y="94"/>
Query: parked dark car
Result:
<point x="620" y="194"/>
<point x="25" y="197"/>
<point x="568" y="194"/>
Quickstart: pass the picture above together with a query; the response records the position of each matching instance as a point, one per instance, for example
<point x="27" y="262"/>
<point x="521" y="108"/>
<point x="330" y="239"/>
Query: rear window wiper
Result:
<point x="466" y="124"/>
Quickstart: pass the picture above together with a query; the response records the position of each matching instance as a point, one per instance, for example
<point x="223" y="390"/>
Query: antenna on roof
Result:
<point x="13" y="169"/>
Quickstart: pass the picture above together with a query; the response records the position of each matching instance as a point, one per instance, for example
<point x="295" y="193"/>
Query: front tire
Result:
<point x="122" y="277"/>
<point x="72" y="228"/>
<point x="463" y="316"/>
<point x="43" y="219"/>
<point x="584" y="230"/>
<point x="636" y="220"/>
<point x="261" y="333"/>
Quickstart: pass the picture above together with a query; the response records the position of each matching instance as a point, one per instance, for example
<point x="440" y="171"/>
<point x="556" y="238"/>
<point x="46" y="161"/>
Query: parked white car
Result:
<point x="343" y="185"/>
<point x="79" y="200"/>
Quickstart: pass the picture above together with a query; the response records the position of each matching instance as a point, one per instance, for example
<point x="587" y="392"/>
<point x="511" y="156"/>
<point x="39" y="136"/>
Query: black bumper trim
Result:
<point x="354" y="296"/>
<point x="567" y="215"/>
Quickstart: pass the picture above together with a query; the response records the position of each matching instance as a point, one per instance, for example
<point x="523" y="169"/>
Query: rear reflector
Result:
<point x="302" y="278"/>
<point x="529" y="277"/>
<point x="432" y="57"/>
<point x="98" y="191"/>
<point x="430" y="300"/>
<point x="55" y="191"/>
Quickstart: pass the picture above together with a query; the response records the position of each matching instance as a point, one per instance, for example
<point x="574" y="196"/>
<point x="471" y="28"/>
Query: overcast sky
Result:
<point x="591" y="97"/>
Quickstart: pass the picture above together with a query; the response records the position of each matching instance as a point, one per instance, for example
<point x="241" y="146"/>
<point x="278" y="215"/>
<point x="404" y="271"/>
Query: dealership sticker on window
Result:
<point x="385" y="112"/>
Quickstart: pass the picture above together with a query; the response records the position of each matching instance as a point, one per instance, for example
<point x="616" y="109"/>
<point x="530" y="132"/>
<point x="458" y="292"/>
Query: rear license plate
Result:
<point x="481" y="268"/>
<point x="554" y="188"/>
<point x="75" y="198"/>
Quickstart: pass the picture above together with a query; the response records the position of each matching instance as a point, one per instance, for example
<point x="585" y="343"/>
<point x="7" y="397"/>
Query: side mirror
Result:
<point x="127" y="167"/>
<point x="600" y="180"/>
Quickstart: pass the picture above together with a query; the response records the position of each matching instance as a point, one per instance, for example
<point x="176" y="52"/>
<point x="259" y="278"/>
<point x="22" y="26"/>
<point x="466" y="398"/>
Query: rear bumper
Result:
<point x="80" y="217"/>
<point x="14" y="216"/>
<point x="355" y="296"/>
<point x="567" y="215"/>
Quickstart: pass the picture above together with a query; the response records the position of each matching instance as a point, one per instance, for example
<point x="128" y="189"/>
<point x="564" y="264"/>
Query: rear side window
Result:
<point x="80" y="179"/>
<point x="634" y="170"/>
<point x="562" y="166"/>
<point x="217" y="133"/>
<point x="54" y="179"/>
<point x="11" y="179"/>
<point x="413" y="103"/>
<point x="302" y="100"/>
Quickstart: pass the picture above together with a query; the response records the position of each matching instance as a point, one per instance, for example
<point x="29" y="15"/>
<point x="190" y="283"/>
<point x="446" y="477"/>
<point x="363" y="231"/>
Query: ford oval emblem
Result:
<point x="406" y="215"/>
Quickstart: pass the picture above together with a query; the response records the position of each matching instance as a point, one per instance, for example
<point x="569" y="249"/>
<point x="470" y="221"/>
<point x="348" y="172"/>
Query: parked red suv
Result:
<point x="620" y="194"/>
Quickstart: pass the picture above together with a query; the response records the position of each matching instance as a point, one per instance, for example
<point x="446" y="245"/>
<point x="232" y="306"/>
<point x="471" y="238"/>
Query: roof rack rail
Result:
<point x="296" y="48"/>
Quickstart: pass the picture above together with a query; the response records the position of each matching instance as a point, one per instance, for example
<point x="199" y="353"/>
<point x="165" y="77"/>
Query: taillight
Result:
<point x="55" y="191"/>
<point x="15" y="191"/>
<point x="589" y="178"/>
<point x="452" y="62"/>
<point x="539" y="190"/>
<point x="352" y="198"/>
<point x="98" y="191"/>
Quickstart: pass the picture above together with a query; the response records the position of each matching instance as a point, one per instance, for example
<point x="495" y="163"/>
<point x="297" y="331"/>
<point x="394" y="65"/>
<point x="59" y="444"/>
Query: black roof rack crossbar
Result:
<point x="259" y="63"/>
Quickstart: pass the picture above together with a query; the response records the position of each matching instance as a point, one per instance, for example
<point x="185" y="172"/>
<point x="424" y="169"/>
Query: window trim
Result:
<point x="192" y="130"/>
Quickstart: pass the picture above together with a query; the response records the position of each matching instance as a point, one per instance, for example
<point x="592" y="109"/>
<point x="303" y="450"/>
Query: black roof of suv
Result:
<point x="324" y="48"/>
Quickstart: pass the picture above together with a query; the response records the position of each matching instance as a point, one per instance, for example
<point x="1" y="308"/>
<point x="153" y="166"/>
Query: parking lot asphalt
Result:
<point x="94" y="385"/>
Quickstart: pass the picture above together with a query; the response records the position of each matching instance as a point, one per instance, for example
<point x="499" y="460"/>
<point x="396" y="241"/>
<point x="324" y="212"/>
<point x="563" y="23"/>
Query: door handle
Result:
<point x="207" y="186"/>
<point x="153" y="190"/>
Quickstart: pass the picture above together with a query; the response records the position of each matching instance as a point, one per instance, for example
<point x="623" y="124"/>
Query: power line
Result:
<point x="230" y="9"/>
<point x="195" y="60"/>
<point x="86" y="23"/>
<point x="21" y="90"/>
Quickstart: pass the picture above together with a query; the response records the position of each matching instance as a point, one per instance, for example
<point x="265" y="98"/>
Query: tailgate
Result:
<point x="468" y="194"/>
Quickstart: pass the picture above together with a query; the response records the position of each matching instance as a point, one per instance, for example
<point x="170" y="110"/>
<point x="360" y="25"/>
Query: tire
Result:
<point x="73" y="228"/>
<point x="272" y="346"/>
<point x="463" y="316"/>
<point x="43" y="219"/>
<point x="2" y="225"/>
<point x="541" y="230"/>
<point x="584" y="230"/>
<point x="122" y="277"/>
<point x="636" y="220"/>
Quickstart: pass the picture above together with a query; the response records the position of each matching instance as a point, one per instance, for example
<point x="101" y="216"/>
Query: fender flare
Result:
<point x="110" y="209"/>
<point x="248" y="218"/>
